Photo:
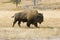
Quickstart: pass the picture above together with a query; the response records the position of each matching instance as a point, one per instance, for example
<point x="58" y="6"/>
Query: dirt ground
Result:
<point x="49" y="29"/>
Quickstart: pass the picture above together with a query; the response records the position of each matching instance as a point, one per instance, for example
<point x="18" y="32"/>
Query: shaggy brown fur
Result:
<point x="30" y="13"/>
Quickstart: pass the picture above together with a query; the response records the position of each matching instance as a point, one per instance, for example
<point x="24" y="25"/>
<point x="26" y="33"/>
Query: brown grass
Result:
<point x="48" y="29"/>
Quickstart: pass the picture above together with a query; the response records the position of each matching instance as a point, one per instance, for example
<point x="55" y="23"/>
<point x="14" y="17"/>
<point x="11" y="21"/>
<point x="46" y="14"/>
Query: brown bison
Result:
<point x="22" y="17"/>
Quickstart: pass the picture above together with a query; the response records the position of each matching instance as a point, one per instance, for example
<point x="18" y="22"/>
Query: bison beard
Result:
<point x="20" y="17"/>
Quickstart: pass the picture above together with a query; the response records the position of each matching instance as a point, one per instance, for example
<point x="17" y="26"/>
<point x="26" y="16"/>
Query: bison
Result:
<point x="21" y="17"/>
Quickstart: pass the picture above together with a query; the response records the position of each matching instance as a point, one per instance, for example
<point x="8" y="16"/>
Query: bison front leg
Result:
<point x="19" y="23"/>
<point x="35" y="24"/>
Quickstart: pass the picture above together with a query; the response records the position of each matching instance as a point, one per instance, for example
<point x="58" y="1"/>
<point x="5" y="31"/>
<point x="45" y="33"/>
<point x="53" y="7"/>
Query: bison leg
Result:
<point x="19" y="23"/>
<point x="28" y="24"/>
<point x="35" y="24"/>
<point x="14" y="22"/>
<point x="39" y="22"/>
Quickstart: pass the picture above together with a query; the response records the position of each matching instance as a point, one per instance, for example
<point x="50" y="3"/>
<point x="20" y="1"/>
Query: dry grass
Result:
<point x="49" y="29"/>
<point x="23" y="5"/>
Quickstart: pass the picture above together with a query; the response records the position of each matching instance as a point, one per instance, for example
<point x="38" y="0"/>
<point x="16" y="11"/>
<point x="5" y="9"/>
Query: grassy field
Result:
<point x="27" y="4"/>
<point x="48" y="30"/>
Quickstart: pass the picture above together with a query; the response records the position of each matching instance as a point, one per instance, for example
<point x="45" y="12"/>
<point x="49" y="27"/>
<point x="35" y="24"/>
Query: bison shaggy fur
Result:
<point x="21" y="17"/>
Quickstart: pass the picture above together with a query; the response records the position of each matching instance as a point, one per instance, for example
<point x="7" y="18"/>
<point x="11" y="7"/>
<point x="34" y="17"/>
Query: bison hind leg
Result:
<point x="28" y="24"/>
<point x="14" y="22"/>
<point x="19" y="23"/>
